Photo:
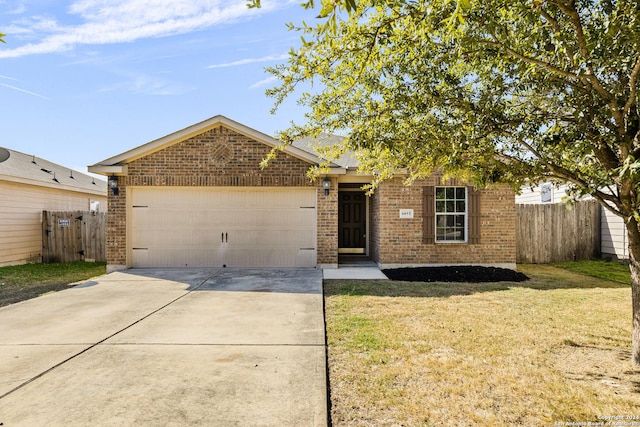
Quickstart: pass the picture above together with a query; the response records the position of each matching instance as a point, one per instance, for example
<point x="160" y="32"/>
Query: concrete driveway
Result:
<point x="219" y="347"/>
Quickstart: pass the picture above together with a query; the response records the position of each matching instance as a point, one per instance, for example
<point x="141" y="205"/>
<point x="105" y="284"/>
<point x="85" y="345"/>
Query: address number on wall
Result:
<point x="406" y="213"/>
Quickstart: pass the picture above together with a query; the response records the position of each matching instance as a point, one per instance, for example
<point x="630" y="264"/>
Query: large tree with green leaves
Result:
<point x="491" y="90"/>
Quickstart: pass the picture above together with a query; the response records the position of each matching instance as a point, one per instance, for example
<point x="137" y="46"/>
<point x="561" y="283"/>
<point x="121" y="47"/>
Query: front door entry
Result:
<point x="352" y="222"/>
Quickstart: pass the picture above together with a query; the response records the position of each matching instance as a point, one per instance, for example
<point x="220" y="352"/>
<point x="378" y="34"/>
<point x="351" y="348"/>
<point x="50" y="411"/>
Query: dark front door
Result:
<point x="352" y="222"/>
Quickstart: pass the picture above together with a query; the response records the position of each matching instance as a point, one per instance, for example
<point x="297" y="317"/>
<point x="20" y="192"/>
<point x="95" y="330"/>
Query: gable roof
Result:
<point x="117" y="165"/>
<point x="29" y="169"/>
<point x="348" y="160"/>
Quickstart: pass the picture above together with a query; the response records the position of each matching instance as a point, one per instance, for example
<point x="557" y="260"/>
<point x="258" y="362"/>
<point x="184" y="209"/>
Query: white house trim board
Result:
<point x="99" y="191"/>
<point x="120" y="170"/>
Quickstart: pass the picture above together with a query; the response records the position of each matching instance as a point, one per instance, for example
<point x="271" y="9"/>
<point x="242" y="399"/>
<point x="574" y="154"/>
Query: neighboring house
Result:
<point x="30" y="185"/>
<point x="198" y="197"/>
<point x="613" y="235"/>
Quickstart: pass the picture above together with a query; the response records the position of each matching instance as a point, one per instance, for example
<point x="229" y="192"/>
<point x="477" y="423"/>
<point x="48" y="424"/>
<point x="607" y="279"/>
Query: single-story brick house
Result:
<point x="198" y="197"/>
<point x="30" y="185"/>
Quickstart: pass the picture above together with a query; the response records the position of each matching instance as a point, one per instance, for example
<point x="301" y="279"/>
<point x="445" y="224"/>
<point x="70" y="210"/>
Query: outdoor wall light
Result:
<point x="326" y="184"/>
<point x="113" y="184"/>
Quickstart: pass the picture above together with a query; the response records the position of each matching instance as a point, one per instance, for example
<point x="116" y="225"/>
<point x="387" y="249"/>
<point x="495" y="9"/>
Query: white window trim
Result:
<point x="466" y="215"/>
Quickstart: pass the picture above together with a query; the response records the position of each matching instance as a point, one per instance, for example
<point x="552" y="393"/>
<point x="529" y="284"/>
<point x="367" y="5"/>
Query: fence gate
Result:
<point x="73" y="236"/>
<point x="553" y="233"/>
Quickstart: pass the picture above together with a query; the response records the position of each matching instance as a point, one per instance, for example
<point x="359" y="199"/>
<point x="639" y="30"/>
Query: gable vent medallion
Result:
<point x="221" y="152"/>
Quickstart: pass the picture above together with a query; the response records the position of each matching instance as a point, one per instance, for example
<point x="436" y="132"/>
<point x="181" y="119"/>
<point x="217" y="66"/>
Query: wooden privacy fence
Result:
<point x="73" y="236"/>
<point x="554" y="233"/>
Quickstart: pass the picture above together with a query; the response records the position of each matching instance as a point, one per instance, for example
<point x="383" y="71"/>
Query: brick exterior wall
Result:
<point x="219" y="157"/>
<point x="117" y="226"/>
<point x="399" y="241"/>
<point x="222" y="157"/>
<point x="328" y="225"/>
<point x="374" y="226"/>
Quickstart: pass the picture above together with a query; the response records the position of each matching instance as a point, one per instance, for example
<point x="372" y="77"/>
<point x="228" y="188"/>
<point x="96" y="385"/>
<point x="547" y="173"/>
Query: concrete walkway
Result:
<point x="354" y="273"/>
<point x="220" y="347"/>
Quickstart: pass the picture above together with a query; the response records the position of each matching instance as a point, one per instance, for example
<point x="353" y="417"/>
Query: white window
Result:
<point x="451" y="214"/>
<point x="546" y="193"/>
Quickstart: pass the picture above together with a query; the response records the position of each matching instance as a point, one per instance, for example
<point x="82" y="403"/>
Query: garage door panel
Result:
<point x="178" y="239"/>
<point x="177" y="227"/>
<point x="261" y="219"/>
<point x="260" y="258"/>
<point x="258" y="199"/>
<point x="168" y="257"/>
<point x="277" y="239"/>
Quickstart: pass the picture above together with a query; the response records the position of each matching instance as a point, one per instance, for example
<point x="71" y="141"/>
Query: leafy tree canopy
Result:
<point x="491" y="90"/>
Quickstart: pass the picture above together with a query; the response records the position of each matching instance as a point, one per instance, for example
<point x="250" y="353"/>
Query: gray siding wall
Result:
<point x="614" y="236"/>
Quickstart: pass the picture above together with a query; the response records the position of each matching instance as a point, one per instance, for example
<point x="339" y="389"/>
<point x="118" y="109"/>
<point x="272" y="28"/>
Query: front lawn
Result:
<point x="550" y="350"/>
<point x="21" y="282"/>
<point x="616" y="271"/>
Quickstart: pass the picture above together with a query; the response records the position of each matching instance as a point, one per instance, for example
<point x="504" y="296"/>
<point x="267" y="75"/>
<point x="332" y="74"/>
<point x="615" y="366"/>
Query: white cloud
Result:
<point x="13" y="8"/>
<point x="141" y="83"/>
<point x="28" y="92"/>
<point x="121" y="21"/>
<point x="263" y="82"/>
<point x="250" y="61"/>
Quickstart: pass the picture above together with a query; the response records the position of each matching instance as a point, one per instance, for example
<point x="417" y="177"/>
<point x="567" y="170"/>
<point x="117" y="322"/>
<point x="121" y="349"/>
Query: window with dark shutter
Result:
<point x="429" y="216"/>
<point x="474" y="216"/>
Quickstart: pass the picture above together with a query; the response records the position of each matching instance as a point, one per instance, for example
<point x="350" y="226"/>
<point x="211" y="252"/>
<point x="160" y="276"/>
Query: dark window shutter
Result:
<point x="474" y="216"/>
<point x="428" y="215"/>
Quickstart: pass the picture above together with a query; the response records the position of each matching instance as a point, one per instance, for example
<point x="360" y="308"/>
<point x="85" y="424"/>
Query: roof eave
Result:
<point x="53" y="185"/>
<point x="108" y="170"/>
<point x="336" y="170"/>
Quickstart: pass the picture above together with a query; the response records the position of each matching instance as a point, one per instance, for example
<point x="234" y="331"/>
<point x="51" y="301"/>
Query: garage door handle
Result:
<point x="224" y="237"/>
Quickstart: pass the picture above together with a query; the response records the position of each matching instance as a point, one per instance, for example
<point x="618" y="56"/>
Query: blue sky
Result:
<point x="84" y="80"/>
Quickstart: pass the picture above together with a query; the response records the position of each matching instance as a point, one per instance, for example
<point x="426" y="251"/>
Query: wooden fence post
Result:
<point x="93" y="236"/>
<point x="46" y="237"/>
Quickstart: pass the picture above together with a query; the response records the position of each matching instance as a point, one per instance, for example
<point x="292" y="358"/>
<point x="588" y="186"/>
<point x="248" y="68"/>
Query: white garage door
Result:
<point x="215" y="227"/>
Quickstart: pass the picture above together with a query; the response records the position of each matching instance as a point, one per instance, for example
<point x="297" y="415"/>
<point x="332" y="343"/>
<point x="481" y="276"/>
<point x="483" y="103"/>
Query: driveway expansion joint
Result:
<point x="148" y="355"/>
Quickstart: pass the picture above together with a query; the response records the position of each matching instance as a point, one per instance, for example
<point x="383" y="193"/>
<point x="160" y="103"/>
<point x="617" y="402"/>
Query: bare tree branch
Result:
<point x="529" y="60"/>
<point x="556" y="27"/>
<point x="571" y="11"/>
<point x="633" y="82"/>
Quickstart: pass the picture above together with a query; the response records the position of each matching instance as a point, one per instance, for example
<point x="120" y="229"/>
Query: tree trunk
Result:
<point x="634" y="266"/>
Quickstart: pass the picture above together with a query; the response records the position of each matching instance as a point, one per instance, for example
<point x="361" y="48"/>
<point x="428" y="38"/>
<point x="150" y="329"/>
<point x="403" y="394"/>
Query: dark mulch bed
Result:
<point x="473" y="274"/>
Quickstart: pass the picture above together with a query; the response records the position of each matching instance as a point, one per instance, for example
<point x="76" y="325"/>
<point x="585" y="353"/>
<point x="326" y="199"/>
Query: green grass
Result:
<point x="552" y="349"/>
<point x="609" y="270"/>
<point x="21" y="282"/>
